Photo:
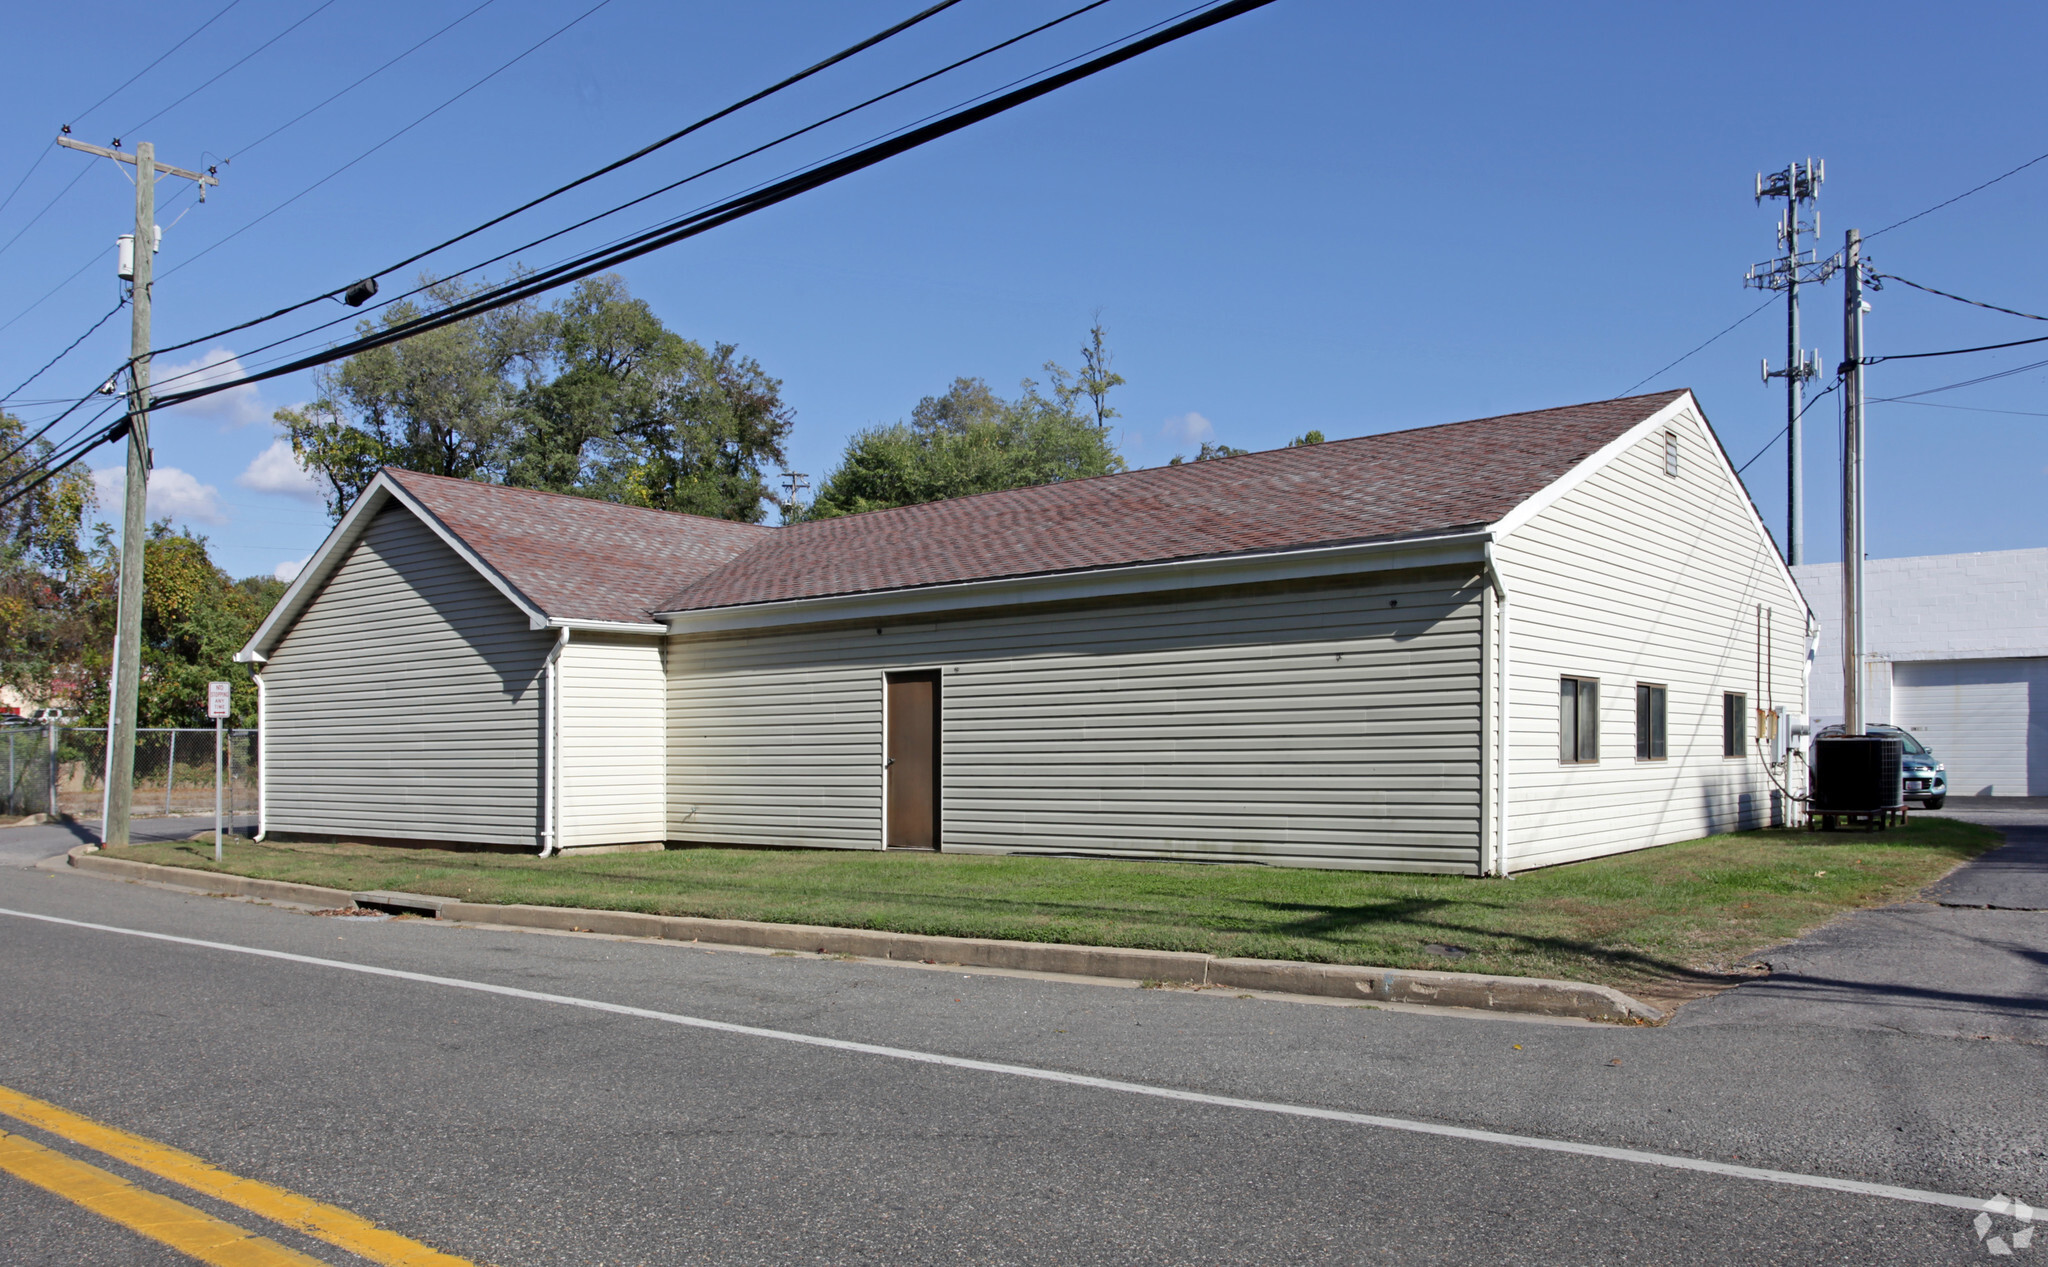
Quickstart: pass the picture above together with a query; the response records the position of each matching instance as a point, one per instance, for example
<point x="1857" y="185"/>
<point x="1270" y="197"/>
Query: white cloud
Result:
<point x="1187" y="428"/>
<point x="172" y="492"/>
<point x="289" y="570"/>
<point x="235" y="407"/>
<point x="277" y="470"/>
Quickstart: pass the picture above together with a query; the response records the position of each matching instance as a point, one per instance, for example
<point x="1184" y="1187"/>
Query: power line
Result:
<point x="671" y="138"/>
<point x="1916" y="356"/>
<point x="358" y="83"/>
<point x="45" y="429"/>
<point x="1702" y="347"/>
<point x="1976" y="303"/>
<point x="82" y="115"/>
<point x="45" y="211"/>
<point x="90" y="330"/>
<point x="503" y="255"/>
<point x="52" y="466"/>
<point x="1784" y="430"/>
<point x="1973" y="409"/>
<point x="1908" y="398"/>
<point x="317" y="11"/>
<point x="40" y="432"/>
<point x="529" y="51"/>
<point x="40" y="156"/>
<point x="110" y="96"/>
<point x="747" y="204"/>
<point x="97" y="256"/>
<point x="724" y="213"/>
<point x="1958" y="198"/>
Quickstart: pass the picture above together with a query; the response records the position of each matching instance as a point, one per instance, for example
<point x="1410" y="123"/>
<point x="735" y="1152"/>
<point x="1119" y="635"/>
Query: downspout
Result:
<point x="551" y="745"/>
<point x="262" y="757"/>
<point x="1500" y="790"/>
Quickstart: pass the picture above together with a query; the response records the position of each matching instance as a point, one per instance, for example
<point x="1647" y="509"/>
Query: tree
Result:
<point x="593" y="396"/>
<point x="1093" y="382"/>
<point x="46" y="573"/>
<point x="1209" y="453"/>
<point x="442" y="402"/>
<point x="194" y="619"/>
<point x="970" y="440"/>
<point x="1313" y="437"/>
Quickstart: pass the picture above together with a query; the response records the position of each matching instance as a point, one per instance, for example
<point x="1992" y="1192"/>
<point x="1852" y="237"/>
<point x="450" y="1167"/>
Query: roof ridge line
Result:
<point x="1374" y="435"/>
<point x="578" y="497"/>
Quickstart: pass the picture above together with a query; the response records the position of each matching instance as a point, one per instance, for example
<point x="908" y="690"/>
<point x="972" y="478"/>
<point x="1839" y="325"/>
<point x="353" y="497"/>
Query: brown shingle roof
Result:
<point x="575" y="558"/>
<point x="1459" y="475"/>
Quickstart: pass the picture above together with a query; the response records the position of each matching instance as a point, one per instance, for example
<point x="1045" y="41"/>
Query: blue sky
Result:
<point x="1339" y="216"/>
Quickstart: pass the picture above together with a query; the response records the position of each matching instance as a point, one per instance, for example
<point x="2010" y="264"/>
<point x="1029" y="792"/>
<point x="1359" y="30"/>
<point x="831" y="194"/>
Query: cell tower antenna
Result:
<point x="1799" y="185"/>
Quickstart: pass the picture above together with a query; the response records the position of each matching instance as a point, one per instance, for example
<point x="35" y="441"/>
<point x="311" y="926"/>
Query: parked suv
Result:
<point x="1926" y="778"/>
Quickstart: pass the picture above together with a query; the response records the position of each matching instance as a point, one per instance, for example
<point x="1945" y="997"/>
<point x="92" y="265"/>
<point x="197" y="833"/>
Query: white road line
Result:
<point x="1536" y="1142"/>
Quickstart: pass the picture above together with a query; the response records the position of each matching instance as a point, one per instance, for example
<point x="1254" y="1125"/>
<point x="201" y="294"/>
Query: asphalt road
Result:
<point x="515" y="1130"/>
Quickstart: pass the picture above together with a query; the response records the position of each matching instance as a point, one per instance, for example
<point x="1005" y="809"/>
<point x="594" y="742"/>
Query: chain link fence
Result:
<point x="173" y="772"/>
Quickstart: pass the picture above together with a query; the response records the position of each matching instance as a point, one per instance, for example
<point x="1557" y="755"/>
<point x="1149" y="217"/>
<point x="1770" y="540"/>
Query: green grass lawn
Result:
<point x="1670" y="919"/>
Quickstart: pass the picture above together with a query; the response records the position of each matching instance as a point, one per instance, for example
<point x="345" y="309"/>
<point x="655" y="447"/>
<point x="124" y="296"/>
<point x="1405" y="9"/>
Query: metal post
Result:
<point x="134" y="516"/>
<point x="1795" y="378"/>
<point x="1852" y="487"/>
<point x="170" y="769"/>
<point x="1799" y="184"/>
<point x="50" y="761"/>
<point x="218" y="767"/>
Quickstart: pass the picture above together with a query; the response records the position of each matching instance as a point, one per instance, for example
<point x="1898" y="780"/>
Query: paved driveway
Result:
<point x="1970" y="961"/>
<point x="32" y="844"/>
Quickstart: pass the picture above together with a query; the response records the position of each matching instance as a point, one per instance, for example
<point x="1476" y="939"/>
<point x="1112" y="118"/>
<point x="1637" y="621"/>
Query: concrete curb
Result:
<point x="87" y="858"/>
<point x="1472" y="990"/>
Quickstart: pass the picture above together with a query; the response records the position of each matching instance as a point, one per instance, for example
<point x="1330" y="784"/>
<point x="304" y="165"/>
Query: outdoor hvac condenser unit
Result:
<point x="1857" y="774"/>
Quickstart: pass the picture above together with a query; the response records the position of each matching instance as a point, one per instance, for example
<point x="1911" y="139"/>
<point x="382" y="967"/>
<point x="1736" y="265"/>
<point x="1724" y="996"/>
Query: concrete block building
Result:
<point x="1956" y="652"/>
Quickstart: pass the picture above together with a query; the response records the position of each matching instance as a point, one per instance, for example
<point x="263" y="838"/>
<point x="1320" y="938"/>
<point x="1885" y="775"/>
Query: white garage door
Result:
<point x="1986" y="719"/>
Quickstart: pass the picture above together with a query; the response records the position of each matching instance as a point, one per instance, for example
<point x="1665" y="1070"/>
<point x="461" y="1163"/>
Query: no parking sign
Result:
<point x="220" y="698"/>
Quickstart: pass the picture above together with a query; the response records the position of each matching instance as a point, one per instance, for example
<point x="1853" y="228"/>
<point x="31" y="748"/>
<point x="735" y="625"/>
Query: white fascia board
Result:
<point x="382" y="491"/>
<point x="1544" y="497"/>
<point x="1756" y="517"/>
<point x="1683" y="411"/>
<point x="1144" y="578"/>
<point x="535" y="617"/>
<point x="602" y="626"/>
<point x="314" y="575"/>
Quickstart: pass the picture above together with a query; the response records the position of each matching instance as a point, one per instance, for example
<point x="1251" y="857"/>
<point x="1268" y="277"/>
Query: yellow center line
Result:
<point x="174" y="1223"/>
<point x="329" y="1223"/>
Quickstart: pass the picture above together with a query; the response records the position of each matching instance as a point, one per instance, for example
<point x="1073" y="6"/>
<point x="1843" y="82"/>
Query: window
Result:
<point x="1671" y="453"/>
<point x="1734" y="724"/>
<point x="1578" y="719"/>
<point x="1649" y="723"/>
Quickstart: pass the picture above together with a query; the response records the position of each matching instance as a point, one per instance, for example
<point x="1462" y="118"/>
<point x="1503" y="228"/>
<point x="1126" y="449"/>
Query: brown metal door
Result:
<point x="912" y="775"/>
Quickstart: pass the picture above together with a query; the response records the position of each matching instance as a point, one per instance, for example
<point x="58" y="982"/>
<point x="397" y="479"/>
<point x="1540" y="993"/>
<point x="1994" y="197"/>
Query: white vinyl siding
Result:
<point x="1315" y="726"/>
<point x="1986" y="720"/>
<point x="612" y="697"/>
<point x="405" y="702"/>
<point x="1636" y="576"/>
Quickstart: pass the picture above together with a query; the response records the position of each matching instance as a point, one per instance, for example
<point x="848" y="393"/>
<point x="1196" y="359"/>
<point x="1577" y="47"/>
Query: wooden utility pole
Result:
<point x="135" y="507"/>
